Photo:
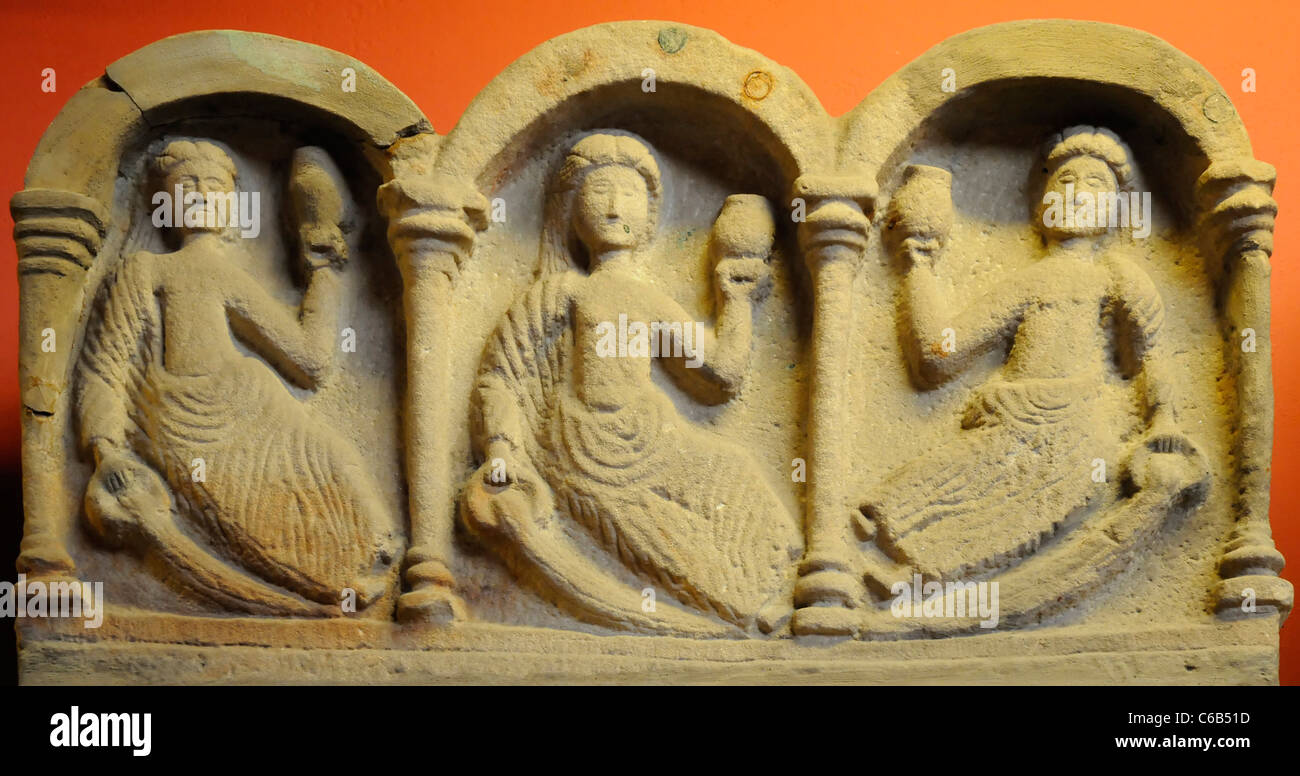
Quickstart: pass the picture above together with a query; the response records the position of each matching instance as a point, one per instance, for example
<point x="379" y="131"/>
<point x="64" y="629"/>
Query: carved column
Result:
<point x="833" y="240"/>
<point x="432" y="222"/>
<point x="59" y="234"/>
<point x="1237" y="214"/>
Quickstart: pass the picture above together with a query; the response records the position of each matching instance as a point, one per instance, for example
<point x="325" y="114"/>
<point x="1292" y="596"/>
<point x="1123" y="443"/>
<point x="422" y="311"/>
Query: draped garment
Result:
<point x="279" y="493"/>
<point x="672" y="502"/>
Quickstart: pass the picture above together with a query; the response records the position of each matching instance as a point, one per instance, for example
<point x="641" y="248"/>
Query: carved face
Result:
<point x="202" y="176"/>
<point x="611" y="210"/>
<point x="1088" y="176"/>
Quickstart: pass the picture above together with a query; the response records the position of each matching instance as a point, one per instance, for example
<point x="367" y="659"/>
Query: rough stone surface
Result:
<point x="652" y="371"/>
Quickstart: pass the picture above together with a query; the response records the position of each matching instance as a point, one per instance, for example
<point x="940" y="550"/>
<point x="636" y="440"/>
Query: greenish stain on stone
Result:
<point x="255" y="54"/>
<point x="672" y="39"/>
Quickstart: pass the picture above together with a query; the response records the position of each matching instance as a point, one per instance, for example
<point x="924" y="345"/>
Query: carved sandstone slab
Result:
<point x="650" y="370"/>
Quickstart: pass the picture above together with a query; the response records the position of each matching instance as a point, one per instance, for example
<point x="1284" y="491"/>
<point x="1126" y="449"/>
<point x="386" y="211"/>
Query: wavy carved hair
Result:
<point x="560" y="246"/>
<point x="1097" y="142"/>
<point x="178" y="152"/>
<point x="1080" y="140"/>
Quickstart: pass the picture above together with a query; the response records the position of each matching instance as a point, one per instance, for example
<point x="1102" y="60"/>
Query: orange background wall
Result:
<point x="442" y="53"/>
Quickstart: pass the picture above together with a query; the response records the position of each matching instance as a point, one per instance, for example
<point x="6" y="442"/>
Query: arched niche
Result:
<point x="980" y="105"/>
<point x="639" y="66"/>
<point x="79" y="210"/>
<point x="720" y="120"/>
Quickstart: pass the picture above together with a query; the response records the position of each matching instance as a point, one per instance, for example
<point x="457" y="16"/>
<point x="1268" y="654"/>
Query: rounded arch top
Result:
<point x="1105" y="55"/>
<point x="213" y="74"/>
<point x="640" y="65"/>
<point x="180" y="76"/>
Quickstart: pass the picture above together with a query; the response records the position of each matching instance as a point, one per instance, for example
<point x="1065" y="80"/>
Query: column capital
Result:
<point x="433" y="217"/>
<point x="1236" y="208"/>
<point x="837" y="217"/>
<point x="57" y="230"/>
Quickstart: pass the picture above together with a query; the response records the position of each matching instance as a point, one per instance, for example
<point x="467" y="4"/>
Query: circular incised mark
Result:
<point x="1217" y="107"/>
<point x="758" y="84"/>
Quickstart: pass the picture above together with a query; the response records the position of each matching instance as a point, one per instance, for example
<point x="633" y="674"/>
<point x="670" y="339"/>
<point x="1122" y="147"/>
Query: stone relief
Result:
<point x="163" y="392"/>
<point x="626" y="381"/>
<point x="567" y="421"/>
<point x="1007" y="482"/>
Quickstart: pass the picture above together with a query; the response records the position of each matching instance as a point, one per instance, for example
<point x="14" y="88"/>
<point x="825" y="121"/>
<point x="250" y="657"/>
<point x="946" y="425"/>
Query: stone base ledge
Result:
<point x="141" y="648"/>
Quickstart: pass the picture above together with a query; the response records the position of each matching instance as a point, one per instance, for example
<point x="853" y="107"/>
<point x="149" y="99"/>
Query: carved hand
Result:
<point x="739" y="278"/>
<point x="920" y="251"/>
<point x="114" y="466"/>
<point x="115" y="471"/>
<point x="323" y="247"/>
<point x="120" y="489"/>
<point x="505" y="491"/>
<point x="1164" y="437"/>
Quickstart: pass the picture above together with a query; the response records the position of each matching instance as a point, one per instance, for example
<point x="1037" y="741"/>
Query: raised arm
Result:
<point x="942" y="341"/>
<point x="941" y="338"/>
<point x="299" y="345"/>
<point x="741" y="244"/>
<point x="710" y="362"/>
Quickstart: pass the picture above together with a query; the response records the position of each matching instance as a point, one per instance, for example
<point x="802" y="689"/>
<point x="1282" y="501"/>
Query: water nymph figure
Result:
<point x="587" y="436"/>
<point x="1023" y="463"/>
<point x="177" y="418"/>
